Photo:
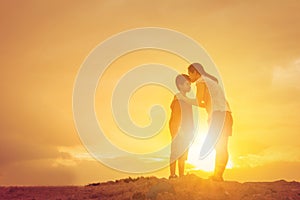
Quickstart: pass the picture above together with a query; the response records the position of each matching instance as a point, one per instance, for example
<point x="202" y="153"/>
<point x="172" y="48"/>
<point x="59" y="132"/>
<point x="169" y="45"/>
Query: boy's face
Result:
<point x="186" y="86"/>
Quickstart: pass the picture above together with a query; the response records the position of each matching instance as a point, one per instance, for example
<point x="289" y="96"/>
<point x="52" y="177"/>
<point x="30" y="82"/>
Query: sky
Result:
<point x="44" y="43"/>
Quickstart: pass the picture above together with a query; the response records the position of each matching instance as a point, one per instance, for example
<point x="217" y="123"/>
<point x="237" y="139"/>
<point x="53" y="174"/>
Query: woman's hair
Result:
<point x="181" y="79"/>
<point x="199" y="69"/>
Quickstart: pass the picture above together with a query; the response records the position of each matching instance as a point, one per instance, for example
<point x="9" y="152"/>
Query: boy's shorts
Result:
<point x="179" y="148"/>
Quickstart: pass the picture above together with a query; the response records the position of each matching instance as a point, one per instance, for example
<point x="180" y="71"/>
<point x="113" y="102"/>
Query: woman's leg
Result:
<point x="221" y="157"/>
<point x="222" y="148"/>
<point x="214" y="133"/>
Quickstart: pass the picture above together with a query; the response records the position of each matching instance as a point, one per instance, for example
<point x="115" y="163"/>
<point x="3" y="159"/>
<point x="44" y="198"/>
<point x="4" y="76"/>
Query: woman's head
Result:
<point x="196" y="70"/>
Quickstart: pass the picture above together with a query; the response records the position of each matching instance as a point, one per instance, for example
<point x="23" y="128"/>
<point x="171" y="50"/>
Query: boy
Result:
<point x="181" y="126"/>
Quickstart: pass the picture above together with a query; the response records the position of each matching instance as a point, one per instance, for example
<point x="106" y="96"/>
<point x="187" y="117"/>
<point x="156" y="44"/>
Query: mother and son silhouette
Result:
<point x="210" y="96"/>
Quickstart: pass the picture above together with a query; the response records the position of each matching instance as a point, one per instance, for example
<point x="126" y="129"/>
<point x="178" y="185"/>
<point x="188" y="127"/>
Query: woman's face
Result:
<point x="193" y="76"/>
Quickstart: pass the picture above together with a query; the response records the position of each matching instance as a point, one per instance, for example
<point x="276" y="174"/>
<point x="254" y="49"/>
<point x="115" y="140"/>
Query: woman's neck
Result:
<point x="198" y="76"/>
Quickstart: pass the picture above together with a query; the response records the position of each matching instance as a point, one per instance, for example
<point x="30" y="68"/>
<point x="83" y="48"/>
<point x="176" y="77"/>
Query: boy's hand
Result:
<point x="179" y="96"/>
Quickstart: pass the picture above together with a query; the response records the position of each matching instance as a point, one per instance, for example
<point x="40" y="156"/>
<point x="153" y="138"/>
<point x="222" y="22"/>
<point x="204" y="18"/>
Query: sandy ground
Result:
<point x="189" y="187"/>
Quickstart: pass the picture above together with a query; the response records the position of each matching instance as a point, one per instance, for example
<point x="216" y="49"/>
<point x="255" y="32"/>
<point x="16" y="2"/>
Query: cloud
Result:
<point x="62" y="172"/>
<point x="268" y="172"/>
<point x="36" y="172"/>
<point x="287" y="76"/>
<point x="269" y="155"/>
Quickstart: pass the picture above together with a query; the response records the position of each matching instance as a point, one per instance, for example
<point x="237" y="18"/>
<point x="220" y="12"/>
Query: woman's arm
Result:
<point x="200" y="100"/>
<point x="186" y="99"/>
<point x="201" y="90"/>
<point x="190" y="101"/>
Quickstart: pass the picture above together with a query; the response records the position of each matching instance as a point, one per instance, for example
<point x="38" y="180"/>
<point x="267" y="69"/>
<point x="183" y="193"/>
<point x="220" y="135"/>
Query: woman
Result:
<point x="211" y="96"/>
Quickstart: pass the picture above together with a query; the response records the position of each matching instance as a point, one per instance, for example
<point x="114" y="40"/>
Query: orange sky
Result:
<point x="43" y="44"/>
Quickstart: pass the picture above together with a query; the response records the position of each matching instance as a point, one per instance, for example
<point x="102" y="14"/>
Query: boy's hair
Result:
<point x="180" y="79"/>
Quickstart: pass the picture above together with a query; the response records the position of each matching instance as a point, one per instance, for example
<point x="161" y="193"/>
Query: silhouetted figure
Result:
<point x="211" y="97"/>
<point x="181" y="127"/>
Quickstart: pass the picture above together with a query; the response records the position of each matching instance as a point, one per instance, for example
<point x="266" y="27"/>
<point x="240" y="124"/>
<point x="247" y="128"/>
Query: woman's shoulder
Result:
<point x="201" y="84"/>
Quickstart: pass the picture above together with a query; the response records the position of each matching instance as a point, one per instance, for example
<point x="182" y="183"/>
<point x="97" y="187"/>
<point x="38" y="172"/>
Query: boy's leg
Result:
<point x="181" y="163"/>
<point x="172" y="168"/>
<point x="173" y="160"/>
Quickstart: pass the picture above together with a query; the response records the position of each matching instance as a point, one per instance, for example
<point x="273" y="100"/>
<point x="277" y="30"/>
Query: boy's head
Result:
<point x="183" y="83"/>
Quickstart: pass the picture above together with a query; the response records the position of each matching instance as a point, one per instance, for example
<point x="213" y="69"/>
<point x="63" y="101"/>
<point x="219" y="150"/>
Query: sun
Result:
<point x="207" y="164"/>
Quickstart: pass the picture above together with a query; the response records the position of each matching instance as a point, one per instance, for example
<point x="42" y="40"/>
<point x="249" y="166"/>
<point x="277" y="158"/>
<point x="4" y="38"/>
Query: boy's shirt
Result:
<point x="181" y="120"/>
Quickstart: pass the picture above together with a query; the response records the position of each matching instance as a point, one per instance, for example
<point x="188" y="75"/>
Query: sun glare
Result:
<point x="207" y="164"/>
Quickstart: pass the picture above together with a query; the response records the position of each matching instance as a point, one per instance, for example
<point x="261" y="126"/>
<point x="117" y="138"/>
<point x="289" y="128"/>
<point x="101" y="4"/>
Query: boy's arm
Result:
<point x="187" y="100"/>
<point x="190" y="101"/>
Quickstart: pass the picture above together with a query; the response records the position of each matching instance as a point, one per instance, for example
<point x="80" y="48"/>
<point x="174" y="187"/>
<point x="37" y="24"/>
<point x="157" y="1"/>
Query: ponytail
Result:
<point x="199" y="68"/>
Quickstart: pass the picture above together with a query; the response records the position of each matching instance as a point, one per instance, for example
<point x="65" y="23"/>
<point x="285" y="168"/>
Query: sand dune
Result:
<point x="189" y="187"/>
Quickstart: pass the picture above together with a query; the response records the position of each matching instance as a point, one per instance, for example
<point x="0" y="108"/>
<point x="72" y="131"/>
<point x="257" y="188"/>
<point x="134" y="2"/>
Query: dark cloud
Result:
<point x="38" y="172"/>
